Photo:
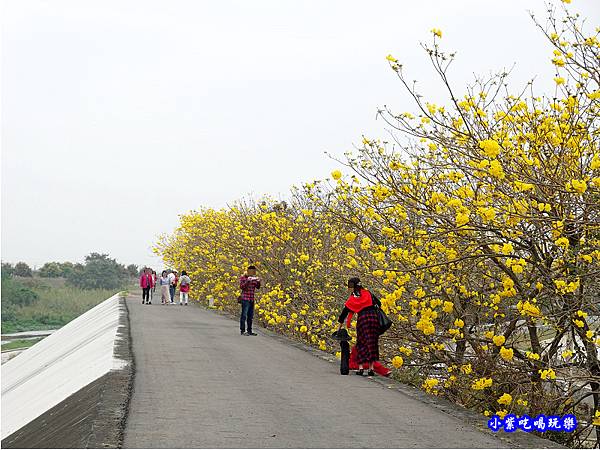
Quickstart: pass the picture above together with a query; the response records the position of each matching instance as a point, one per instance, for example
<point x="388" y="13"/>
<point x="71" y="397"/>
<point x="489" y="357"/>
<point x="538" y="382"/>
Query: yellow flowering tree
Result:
<point x="484" y="221"/>
<point x="478" y="227"/>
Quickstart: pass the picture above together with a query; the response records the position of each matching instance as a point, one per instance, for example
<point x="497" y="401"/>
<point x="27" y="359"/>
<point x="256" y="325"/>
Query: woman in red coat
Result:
<point x="146" y="284"/>
<point x="362" y="303"/>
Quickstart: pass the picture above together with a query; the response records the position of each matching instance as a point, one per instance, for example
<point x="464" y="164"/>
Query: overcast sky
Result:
<point x="119" y="115"/>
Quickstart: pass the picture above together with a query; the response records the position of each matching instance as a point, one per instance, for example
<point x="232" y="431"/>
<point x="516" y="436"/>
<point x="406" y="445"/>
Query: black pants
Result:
<point x="247" y="315"/>
<point x="145" y="294"/>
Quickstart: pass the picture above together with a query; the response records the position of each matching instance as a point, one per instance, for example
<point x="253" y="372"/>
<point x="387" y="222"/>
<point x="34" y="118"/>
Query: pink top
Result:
<point x="146" y="281"/>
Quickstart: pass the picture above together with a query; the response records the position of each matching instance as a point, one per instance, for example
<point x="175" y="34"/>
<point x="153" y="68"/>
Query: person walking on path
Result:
<point x="249" y="283"/>
<point x="164" y="288"/>
<point x="184" y="288"/>
<point x="363" y="303"/>
<point x="173" y="285"/>
<point x="146" y="284"/>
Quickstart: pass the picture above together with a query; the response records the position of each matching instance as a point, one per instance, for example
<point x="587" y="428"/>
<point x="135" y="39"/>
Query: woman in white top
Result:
<point x="164" y="288"/>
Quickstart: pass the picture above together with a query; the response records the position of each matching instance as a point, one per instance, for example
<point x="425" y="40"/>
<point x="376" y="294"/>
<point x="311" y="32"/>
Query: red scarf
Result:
<point x="357" y="304"/>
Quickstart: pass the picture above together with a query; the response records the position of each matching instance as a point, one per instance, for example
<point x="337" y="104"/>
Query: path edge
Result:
<point x="108" y="428"/>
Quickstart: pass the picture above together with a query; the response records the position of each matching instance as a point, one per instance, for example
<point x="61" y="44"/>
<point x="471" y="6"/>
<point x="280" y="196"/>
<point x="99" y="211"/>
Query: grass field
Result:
<point x="20" y="343"/>
<point x="57" y="304"/>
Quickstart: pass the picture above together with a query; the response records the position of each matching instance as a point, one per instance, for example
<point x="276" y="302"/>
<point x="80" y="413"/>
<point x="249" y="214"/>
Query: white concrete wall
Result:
<point x="60" y="365"/>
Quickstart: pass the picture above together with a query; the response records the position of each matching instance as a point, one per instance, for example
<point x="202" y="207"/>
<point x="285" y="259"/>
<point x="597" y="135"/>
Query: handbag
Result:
<point x="384" y="321"/>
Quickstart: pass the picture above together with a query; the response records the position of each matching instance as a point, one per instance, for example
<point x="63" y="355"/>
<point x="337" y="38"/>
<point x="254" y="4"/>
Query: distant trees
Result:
<point x="133" y="270"/>
<point x="99" y="272"/>
<point x="7" y="270"/>
<point x="56" y="269"/>
<point x="22" y="270"/>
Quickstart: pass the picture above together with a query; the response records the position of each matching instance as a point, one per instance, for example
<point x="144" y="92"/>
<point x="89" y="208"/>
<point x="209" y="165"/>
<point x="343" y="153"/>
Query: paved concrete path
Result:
<point x="198" y="383"/>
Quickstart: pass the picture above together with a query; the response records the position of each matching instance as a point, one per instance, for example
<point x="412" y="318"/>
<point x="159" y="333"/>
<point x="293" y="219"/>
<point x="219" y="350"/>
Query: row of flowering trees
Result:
<point x="478" y="226"/>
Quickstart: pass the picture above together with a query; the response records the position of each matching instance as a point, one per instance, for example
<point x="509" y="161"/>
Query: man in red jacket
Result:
<point x="146" y="284"/>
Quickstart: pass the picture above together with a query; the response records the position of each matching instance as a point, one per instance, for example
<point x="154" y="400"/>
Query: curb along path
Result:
<point x="198" y="383"/>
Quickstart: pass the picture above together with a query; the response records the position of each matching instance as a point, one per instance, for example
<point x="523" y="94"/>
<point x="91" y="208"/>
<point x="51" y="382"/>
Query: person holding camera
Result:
<point x="249" y="283"/>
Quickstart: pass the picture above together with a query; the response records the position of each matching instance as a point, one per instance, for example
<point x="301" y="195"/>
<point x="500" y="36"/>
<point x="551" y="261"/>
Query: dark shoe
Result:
<point x="371" y="373"/>
<point x="360" y="372"/>
<point x="243" y="333"/>
<point x="250" y="333"/>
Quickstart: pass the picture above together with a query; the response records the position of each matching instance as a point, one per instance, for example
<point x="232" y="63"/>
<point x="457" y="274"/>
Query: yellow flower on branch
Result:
<point x="507" y="248"/>
<point x="490" y="148"/>
<point x="350" y="237"/>
<point x="487" y="214"/>
<point x="481" y="384"/>
<point x="462" y="218"/>
<point x="576" y="185"/>
<point x="505" y="399"/>
<point x="547" y="374"/>
<point x="496" y="169"/>
<point x="521" y="186"/>
<point x="499" y="340"/>
<point x="429" y="384"/>
<point x="502" y="413"/>
<point x="407" y="351"/>
<point x="527" y="308"/>
<point x="506" y="353"/>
